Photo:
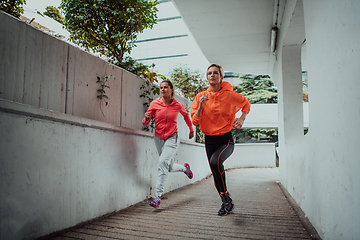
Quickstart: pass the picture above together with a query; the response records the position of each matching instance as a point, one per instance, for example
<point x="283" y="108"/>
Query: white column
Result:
<point x="291" y="124"/>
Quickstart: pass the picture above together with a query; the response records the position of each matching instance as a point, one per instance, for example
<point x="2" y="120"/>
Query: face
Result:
<point x="213" y="76"/>
<point x="165" y="89"/>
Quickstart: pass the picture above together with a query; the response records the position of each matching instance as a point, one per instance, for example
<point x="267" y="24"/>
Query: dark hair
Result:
<point x="171" y="86"/>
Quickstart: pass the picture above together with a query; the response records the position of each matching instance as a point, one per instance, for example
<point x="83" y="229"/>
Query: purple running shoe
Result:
<point x="155" y="202"/>
<point x="188" y="172"/>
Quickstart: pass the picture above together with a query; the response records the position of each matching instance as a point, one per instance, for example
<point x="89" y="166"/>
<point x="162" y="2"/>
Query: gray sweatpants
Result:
<point x="166" y="149"/>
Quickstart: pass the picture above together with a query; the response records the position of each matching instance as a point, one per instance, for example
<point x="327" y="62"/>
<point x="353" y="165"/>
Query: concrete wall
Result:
<point x="42" y="71"/>
<point x="267" y="116"/>
<point x="252" y="155"/>
<point x="320" y="169"/>
<point x="64" y="160"/>
<point x="58" y="170"/>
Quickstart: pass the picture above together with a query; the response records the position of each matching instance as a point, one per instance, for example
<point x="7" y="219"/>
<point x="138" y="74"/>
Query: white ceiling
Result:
<point x="233" y="33"/>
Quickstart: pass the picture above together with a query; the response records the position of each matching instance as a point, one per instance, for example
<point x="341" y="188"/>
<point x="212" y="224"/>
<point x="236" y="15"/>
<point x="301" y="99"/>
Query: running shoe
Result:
<point x="229" y="204"/>
<point x="188" y="172"/>
<point x="155" y="202"/>
<point x="222" y="210"/>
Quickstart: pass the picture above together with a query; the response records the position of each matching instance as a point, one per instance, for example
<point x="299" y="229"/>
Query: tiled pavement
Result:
<point x="261" y="212"/>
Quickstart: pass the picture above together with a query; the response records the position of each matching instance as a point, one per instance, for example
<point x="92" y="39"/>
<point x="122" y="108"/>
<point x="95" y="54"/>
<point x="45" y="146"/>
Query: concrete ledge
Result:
<point x="31" y="111"/>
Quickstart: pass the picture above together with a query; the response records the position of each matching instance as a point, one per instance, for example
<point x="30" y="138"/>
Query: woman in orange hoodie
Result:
<point x="165" y="111"/>
<point x="215" y="109"/>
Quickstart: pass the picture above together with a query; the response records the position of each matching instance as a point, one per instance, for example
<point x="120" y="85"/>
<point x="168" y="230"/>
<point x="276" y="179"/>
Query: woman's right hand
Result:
<point x="202" y="100"/>
<point x="147" y="116"/>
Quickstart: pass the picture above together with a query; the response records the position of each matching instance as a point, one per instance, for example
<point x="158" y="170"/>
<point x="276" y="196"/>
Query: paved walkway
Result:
<point x="261" y="212"/>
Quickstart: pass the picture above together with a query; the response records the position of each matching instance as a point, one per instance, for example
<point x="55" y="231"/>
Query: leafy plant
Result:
<point x="12" y="7"/>
<point x="306" y="130"/>
<point x="305" y="92"/>
<point x="149" y="90"/>
<point x="101" y="91"/>
<point x="54" y="13"/>
<point x="109" y="27"/>
<point x="146" y="72"/>
<point x="246" y="135"/>
<point x="257" y="88"/>
<point x="149" y="86"/>
<point x="139" y="69"/>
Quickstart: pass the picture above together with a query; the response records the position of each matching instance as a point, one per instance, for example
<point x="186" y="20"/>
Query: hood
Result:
<point x="225" y="86"/>
<point x="160" y="101"/>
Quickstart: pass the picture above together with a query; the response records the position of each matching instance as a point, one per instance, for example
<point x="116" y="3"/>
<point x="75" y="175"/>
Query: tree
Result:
<point x="54" y="13"/>
<point x="108" y="26"/>
<point x="187" y="82"/>
<point x="13" y="7"/>
<point x="246" y="135"/>
<point x="257" y="89"/>
<point x="140" y="69"/>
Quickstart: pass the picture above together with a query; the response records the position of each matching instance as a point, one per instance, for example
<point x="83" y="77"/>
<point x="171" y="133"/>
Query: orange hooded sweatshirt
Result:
<point x="218" y="114"/>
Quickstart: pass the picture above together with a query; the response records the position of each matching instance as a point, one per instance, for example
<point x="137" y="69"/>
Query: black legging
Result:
<point x="218" y="149"/>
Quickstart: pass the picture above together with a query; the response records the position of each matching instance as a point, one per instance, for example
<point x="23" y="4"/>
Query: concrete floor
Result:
<point x="262" y="211"/>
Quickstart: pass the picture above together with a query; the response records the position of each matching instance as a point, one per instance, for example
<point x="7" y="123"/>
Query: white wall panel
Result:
<point x="33" y="65"/>
<point x="84" y="70"/>
<point x="132" y="107"/>
<point x="320" y="169"/>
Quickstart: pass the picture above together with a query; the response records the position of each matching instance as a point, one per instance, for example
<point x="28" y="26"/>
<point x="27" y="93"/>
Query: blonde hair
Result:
<point x="222" y="73"/>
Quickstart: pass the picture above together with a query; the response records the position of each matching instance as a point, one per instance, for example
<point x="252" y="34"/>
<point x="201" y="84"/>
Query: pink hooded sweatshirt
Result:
<point x="166" y="117"/>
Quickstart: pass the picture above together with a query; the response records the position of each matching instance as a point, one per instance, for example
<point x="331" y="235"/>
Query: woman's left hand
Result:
<point x="238" y="123"/>
<point x="191" y="135"/>
<point x="147" y="116"/>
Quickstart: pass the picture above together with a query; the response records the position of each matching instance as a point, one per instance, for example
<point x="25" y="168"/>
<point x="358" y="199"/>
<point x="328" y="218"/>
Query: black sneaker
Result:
<point x="229" y="204"/>
<point x="222" y="210"/>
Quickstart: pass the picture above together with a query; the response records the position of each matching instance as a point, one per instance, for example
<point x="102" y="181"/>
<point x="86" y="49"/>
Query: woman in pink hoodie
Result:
<point x="165" y="111"/>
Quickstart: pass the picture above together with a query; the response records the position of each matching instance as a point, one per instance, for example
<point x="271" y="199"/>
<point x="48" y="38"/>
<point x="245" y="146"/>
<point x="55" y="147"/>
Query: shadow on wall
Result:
<point x="137" y="160"/>
<point x="30" y="224"/>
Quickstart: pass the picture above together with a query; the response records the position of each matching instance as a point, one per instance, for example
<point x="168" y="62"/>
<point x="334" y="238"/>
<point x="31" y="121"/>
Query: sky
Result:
<point x="33" y="6"/>
<point x="40" y="5"/>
